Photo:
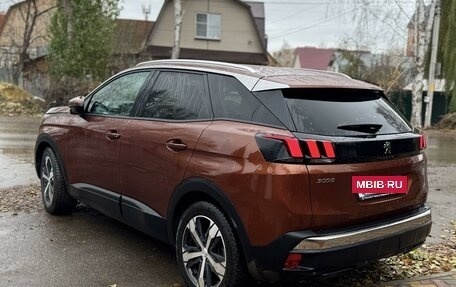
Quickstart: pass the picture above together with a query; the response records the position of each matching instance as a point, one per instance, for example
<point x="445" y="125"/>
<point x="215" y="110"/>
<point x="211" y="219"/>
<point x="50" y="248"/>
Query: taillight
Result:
<point x="280" y="148"/>
<point x="423" y="143"/>
<point x="314" y="152"/>
<point x="291" y="144"/>
<point x="319" y="150"/>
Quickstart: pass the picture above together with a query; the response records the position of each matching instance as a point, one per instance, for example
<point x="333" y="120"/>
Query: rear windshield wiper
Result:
<point x="364" y="128"/>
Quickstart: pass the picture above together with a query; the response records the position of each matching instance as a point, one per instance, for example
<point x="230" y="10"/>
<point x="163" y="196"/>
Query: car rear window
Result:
<point x="343" y="112"/>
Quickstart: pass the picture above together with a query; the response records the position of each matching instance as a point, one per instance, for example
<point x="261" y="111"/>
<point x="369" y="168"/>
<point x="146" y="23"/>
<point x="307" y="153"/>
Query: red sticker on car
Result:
<point x="379" y="184"/>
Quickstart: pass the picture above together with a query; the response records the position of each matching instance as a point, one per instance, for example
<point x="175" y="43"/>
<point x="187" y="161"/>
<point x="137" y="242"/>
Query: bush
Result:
<point x="60" y="93"/>
<point x="448" y="122"/>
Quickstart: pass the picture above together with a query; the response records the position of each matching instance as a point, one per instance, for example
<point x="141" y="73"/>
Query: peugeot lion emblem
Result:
<point x="387" y="147"/>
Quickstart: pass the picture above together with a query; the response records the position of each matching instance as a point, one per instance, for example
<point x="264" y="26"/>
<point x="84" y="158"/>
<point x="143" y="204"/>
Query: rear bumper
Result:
<point x="339" y="240"/>
<point x="334" y="251"/>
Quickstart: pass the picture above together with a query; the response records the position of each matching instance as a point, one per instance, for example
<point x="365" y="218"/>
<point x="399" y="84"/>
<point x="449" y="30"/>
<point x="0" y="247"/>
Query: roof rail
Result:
<point x="199" y="62"/>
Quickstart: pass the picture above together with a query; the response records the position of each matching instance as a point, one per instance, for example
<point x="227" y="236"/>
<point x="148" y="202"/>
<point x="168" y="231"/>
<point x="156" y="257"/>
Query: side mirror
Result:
<point x="76" y="105"/>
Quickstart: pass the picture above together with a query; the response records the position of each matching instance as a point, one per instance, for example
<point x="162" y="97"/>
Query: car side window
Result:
<point x="178" y="96"/>
<point x="118" y="96"/>
<point x="231" y="100"/>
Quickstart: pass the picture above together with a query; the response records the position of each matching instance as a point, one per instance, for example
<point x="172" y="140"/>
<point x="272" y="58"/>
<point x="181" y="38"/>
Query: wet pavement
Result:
<point x="441" y="148"/>
<point x="85" y="249"/>
<point x="441" y="153"/>
<point x="90" y="249"/>
<point x="17" y="141"/>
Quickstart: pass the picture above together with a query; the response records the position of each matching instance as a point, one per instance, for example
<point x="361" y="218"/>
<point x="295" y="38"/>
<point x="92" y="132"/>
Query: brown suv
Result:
<point x="241" y="168"/>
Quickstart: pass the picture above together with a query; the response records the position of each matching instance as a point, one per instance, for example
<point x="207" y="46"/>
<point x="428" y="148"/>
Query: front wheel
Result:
<point x="56" y="198"/>
<point x="208" y="253"/>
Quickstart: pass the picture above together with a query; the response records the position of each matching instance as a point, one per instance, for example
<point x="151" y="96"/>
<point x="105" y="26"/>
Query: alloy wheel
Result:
<point x="47" y="180"/>
<point x="204" y="252"/>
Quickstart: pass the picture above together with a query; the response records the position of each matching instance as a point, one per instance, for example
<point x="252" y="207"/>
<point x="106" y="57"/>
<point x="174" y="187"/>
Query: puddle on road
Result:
<point x="17" y="142"/>
<point x="441" y="148"/>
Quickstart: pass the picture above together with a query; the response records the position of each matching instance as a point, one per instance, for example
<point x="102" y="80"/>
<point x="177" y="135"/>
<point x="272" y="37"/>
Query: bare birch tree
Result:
<point x="389" y="71"/>
<point x="30" y="13"/>
<point x="423" y="28"/>
<point x="369" y="13"/>
<point x="178" y="16"/>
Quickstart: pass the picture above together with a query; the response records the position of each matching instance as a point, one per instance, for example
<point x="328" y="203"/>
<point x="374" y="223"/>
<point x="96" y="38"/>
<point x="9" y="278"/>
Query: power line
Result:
<point x="293" y="14"/>
<point x="308" y="26"/>
<point x="386" y="23"/>
<point x="402" y="9"/>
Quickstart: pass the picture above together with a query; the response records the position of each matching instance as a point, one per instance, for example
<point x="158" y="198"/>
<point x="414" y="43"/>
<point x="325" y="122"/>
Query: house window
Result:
<point x="208" y="26"/>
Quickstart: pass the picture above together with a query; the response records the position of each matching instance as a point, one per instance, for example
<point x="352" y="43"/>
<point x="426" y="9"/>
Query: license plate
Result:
<point x="379" y="185"/>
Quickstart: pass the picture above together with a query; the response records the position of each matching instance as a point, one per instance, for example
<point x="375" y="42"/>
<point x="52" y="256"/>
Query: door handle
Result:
<point x="112" y="135"/>
<point x="176" y="145"/>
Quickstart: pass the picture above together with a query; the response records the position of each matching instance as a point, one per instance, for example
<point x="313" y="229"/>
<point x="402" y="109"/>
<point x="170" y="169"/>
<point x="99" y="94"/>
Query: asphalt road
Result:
<point x="85" y="249"/>
<point x="441" y="153"/>
<point x="17" y="141"/>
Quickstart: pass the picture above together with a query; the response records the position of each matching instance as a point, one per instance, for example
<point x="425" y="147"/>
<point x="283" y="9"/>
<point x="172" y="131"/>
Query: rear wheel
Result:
<point x="56" y="199"/>
<point x="208" y="253"/>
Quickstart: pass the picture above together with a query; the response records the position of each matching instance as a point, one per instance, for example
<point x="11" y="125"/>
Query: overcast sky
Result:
<point x="320" y="23"/>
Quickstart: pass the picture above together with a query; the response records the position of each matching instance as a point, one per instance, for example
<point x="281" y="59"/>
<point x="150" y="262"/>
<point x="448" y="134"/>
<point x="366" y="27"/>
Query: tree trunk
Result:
<point x="28" y="13"/>
<point x="178" y="15"/>
<point x="69" y="15"/>
<point x="423" y="28"/>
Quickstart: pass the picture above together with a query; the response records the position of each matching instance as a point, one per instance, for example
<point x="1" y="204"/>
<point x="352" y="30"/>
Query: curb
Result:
<point x="447" y="279"/>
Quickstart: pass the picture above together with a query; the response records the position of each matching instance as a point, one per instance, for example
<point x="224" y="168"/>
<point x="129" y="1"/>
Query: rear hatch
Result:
<point x="351" y="132"/>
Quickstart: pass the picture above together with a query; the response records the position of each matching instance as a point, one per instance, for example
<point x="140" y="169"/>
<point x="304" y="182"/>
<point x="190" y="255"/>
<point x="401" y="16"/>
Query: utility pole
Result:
<point x="431" y="82"/>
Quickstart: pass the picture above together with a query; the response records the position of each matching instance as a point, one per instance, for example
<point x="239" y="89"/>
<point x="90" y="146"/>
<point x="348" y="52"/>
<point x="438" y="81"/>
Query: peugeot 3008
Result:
<point x="244" y="169"/>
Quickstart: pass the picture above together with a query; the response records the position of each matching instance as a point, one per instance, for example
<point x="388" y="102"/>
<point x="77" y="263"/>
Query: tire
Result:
<point x="220" y="257"/>
<point x="56" y="199"/>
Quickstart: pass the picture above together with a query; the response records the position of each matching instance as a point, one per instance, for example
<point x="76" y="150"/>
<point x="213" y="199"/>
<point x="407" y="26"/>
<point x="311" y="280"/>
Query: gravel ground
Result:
<point x="20" y="199"/>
